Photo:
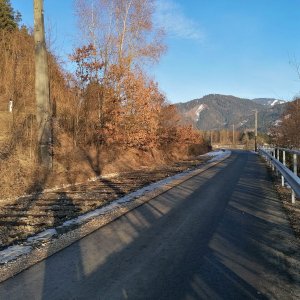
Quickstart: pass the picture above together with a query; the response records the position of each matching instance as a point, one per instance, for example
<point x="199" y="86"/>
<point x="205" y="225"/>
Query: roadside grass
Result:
<point x="292" y="210"/>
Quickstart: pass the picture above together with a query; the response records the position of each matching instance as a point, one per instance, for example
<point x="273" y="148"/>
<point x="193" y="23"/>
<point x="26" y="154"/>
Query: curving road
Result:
<point x="219" y="235"/>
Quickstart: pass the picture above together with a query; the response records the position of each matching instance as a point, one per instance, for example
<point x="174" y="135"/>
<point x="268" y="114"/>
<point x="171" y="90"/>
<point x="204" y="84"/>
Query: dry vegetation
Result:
<point x="286" y="135"/>
<point x="104" y="116"/>
<point x="292" y="210"/>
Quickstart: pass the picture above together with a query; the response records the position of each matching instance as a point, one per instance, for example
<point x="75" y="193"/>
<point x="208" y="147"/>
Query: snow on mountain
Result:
<point x="276" y="102"/>
<point x="200" y="108"/>
<point x="270" y="102"/>
<point x="243" y="122"/>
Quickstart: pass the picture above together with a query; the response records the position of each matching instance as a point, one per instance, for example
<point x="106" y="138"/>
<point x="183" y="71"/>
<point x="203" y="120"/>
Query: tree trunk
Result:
<point x="42" y="93"/>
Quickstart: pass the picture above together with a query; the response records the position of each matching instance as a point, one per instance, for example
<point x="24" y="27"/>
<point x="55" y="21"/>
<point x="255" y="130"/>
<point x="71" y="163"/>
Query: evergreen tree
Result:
<point x="8" y="18"/>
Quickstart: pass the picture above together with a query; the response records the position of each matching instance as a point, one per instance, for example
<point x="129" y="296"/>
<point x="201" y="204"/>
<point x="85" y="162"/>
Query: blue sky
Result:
<point x="237" y="47"/>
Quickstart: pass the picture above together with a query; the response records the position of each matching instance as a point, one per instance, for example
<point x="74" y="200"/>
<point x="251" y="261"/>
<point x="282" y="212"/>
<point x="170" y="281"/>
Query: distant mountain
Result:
<point x="268" y="101"/>
<point x="215" y="112"/>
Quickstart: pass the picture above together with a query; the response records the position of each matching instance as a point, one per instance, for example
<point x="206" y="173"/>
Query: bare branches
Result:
<point x="121" y="30"/>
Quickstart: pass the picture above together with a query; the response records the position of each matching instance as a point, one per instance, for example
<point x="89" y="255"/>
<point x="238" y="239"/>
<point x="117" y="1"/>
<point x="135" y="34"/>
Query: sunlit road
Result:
<point x="219" y="235"/>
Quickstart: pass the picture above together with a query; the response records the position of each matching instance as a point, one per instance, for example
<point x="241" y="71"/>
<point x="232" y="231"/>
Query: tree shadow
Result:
<point x="94" y="160"/>
<point x="29" y="215"/>
<point x="66" y="209"/>
<point x="12" y="219"/>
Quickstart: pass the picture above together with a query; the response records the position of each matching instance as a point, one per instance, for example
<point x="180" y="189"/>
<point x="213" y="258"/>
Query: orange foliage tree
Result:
<point x="286" y="134"/>
<point x="120" y="37"/>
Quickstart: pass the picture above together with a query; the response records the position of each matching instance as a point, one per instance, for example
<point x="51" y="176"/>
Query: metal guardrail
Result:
<point x="297" y="152"/>
<point x="273" y="157"/>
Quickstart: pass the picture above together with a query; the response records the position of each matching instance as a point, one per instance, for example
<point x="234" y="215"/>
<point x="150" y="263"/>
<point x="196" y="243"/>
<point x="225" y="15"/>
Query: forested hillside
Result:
<point x="217" y="112"/>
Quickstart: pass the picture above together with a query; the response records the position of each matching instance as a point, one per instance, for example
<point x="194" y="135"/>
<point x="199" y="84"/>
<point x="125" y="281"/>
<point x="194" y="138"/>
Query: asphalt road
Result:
<point x="219" y="235"/>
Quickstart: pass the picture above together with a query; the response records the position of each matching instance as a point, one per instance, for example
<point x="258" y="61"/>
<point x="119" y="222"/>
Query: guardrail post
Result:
<point x="293" y="197"/>
<point x="277" y="156"/>
<point x="283" y="161"/>
<point x="295" y="163"/>
<point x="273" y="154"/>
<point x="295" y="171"/>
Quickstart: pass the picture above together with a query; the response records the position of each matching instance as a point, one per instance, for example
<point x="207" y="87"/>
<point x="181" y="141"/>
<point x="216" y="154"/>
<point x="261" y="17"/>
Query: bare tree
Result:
<point x="122" y="31"/>
<point x="42" y="94"/>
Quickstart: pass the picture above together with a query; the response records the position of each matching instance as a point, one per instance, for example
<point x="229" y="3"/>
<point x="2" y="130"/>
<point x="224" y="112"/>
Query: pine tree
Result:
<point x="8" y="18"/>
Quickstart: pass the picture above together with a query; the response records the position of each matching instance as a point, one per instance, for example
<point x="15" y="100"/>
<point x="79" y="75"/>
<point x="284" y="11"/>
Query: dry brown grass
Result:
<point x="292" y="210"/>
<point x="20" y="174"/>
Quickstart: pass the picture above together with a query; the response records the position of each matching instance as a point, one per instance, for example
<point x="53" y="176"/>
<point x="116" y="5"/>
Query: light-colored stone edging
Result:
<point x="54" y="245"/>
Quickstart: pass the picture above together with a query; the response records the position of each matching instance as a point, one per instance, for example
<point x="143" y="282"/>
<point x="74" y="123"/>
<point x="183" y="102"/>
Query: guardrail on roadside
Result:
<point x="272" y="156"/>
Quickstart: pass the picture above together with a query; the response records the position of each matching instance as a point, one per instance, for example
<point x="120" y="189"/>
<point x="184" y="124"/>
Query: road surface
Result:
<point x="219" y="235"/>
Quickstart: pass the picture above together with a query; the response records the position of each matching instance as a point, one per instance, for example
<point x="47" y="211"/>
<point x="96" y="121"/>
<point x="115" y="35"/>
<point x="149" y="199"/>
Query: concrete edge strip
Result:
<point x="40" y="253"/>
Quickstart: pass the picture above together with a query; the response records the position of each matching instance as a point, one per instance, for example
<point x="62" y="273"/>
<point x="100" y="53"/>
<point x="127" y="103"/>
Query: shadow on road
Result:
<point x="66" y="206"/>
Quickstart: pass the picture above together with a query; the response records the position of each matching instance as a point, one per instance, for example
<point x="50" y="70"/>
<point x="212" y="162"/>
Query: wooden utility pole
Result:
<point x="233" y="140"/>
<point x="42" y="93"/>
